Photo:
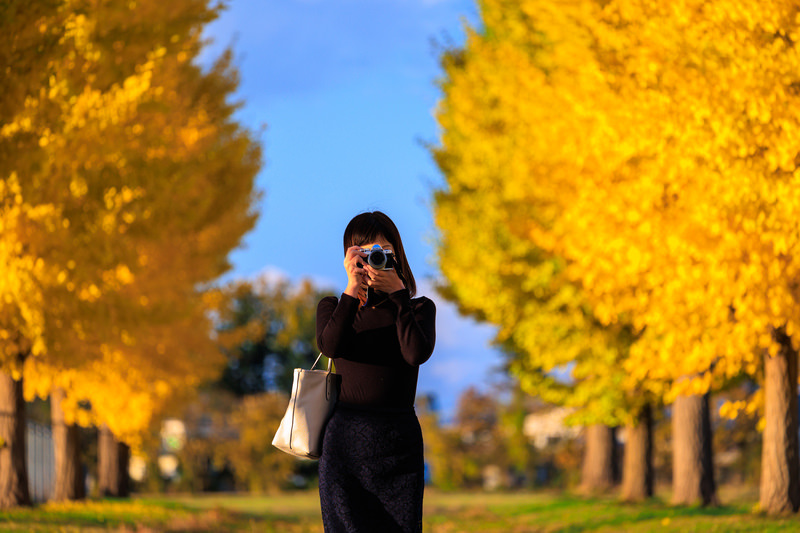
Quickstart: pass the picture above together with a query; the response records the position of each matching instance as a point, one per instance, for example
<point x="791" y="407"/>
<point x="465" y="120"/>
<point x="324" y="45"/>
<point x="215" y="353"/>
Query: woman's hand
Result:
<point x="383" y="280"/>
<point x="356" y="275"/>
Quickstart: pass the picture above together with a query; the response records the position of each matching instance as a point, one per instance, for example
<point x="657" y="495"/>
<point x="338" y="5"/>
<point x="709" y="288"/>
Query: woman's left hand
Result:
<point x="384" y="280"/>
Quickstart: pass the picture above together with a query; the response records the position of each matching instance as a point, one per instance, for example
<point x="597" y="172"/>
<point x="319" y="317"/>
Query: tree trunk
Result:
<point x="780" y="470"/>
<point x="113" y="458"/>
<point x="13" y="461"/>
<point x="66" y="446"/>
<point x="638" y="473"/>
<point x="597" y="474"/>
<point x="692" y="459"/>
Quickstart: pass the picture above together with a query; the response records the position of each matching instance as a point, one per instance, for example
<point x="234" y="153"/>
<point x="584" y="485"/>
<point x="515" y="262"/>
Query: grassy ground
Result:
<point x="444" y="513"/>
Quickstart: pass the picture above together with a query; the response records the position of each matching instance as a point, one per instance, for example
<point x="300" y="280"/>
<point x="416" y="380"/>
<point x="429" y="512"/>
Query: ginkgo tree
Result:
<point x="649" y="145"/>
<point x="125" y="184"/>
<point x="494" y="120"/>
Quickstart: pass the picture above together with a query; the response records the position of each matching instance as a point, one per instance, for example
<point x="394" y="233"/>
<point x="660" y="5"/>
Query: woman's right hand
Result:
<point x="356" y="275"/>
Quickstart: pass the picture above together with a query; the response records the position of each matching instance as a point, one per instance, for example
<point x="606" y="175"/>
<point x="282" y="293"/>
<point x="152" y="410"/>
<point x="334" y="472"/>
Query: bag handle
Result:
<point x="328" y="382"/>
<point x="330" y="362"/>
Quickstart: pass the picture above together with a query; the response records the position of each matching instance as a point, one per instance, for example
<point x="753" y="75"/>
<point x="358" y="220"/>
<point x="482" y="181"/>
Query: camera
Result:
<point x="378" y="258"/>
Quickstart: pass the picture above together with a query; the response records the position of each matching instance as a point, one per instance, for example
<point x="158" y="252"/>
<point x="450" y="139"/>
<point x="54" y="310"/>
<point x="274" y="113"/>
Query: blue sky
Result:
<point x="347" y="90"/>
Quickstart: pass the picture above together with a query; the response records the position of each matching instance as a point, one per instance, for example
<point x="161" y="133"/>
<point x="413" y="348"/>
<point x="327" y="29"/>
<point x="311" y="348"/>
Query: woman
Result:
<point x="371" y="469"/>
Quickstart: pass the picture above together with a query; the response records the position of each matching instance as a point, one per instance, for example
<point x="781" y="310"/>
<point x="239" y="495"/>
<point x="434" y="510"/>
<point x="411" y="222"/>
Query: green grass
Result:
<point x="444" y="513"/>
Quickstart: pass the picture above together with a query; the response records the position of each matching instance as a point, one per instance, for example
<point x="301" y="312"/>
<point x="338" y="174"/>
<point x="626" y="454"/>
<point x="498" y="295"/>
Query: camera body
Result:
<point x="378" y="258"/>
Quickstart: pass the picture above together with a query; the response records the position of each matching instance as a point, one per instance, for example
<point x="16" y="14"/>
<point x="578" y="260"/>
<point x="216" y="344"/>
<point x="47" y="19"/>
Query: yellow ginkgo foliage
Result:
<point x="497" y="249"/>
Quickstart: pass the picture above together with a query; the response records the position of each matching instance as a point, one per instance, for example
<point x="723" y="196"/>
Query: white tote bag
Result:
<point x="314" y="394"/>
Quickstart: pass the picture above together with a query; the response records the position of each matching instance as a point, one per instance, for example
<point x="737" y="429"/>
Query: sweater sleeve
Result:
<point x="335" y="325"/>
<point x="416" y="326"/>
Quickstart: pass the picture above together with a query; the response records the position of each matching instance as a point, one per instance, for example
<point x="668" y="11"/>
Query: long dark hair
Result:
<point x="368" y="227"/>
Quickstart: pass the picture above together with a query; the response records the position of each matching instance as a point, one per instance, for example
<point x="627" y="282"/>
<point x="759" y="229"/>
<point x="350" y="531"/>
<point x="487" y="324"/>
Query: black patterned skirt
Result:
<point x="371" y="473"/>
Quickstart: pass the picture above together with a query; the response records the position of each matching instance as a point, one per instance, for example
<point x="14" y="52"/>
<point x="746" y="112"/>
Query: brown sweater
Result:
<point x="377" y="349"/>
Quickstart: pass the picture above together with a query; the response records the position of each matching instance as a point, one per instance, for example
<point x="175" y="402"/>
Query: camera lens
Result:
<point x="377" y="259"/>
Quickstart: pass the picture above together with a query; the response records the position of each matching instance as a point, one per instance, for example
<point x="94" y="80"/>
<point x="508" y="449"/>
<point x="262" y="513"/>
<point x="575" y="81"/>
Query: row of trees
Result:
<point x="124" y="184"/>
<point x="619" y="201"/>
<point x="505" y="438"/>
